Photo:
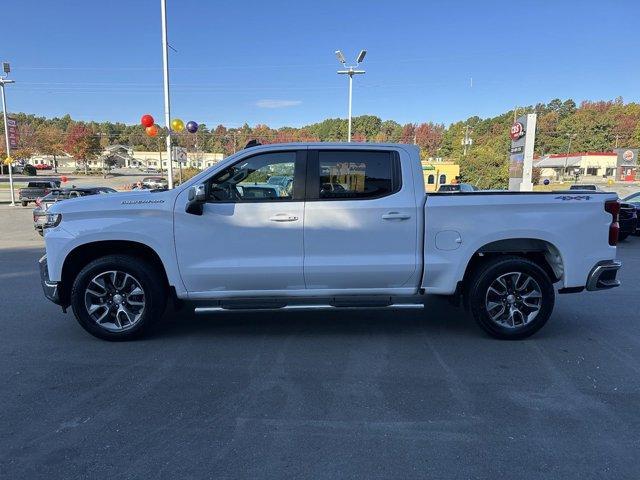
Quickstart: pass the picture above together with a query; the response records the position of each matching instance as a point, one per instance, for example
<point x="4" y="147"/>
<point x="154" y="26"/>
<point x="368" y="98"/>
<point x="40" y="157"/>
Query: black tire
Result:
<point x="623" y="236"/>
<point x="146" y="274"/>
<point x="501" y="269"/>
<point x="24" y="204"/>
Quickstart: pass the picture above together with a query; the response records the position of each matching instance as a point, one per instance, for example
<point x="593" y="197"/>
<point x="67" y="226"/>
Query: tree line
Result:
<point x="591" y="125"/>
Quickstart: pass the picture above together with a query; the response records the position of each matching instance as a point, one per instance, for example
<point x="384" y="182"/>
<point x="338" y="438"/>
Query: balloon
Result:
<point x="192" y="127"/>
<point x="147" y="120"/>
<point x="546" y="181"/>
<point x="177" y="125"/>
<point x="152" y="131"/>
<point x="63" y="179"/>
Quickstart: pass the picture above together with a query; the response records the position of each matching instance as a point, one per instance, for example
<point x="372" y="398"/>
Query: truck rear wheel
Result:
<point x="511" y="297"/>
<point x="117" y="297"/>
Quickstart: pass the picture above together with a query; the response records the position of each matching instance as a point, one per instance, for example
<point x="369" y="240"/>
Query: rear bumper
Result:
<point x="50" y="288"/>
<point x="603" y="275"/>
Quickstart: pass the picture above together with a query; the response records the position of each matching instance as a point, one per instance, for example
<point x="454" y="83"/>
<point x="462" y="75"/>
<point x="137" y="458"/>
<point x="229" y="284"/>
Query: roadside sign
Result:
<point x="517" y="131"/>
<point x="179" y="154"/>
<point x="522" y="134"/>
<point x="14" y="136"/>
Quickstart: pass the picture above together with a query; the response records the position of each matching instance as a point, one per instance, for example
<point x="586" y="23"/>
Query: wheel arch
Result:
<point x="81" y="255"/>
<point x="542" y="252"/>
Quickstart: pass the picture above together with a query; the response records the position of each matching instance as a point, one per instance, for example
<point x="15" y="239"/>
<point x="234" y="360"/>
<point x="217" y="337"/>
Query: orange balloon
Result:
<point x="152" y="131"/>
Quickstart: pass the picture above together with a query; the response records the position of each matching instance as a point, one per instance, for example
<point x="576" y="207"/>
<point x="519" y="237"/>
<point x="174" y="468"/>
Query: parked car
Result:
<point x="155" y="182"/>
<point x="43" y="166"/>
<point x="381" y="243"/>
<point x="634" y="200"/>
<point x="58" y="194"/>
<point x="149" y="170"/>
<point x="584" y="186"/>
<point x="458" y="187"/>
<point x="628" y="220"/>
<point x="35" y="190"/>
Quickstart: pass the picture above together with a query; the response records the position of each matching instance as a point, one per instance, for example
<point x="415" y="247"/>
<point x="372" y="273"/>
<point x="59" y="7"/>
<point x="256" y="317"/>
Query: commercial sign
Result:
<point x="627" y="157"/>
<point x="522" y="134"/>
<point x="179" y="155"/>
<point x="14" y="136"/>
<point x="517" y="131"/>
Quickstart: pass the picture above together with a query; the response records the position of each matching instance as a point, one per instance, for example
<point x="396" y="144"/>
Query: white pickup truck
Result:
<point x="325" y="225"/>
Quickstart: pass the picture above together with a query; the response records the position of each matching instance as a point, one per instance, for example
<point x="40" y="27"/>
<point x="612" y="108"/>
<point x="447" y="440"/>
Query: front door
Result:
<point x="249" y="239"/>
<point x="361" y="222"/>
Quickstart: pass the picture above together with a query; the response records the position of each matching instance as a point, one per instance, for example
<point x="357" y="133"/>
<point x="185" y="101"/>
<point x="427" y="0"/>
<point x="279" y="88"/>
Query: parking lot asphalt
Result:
<point x="358" y="394"/>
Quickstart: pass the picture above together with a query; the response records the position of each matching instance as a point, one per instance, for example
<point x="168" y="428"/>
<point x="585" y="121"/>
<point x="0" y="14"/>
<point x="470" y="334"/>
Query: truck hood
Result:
<point x="115" y="201"/>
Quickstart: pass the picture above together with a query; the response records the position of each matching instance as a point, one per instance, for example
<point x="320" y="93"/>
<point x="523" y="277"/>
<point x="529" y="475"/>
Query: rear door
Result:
<point x="361" y="220"/>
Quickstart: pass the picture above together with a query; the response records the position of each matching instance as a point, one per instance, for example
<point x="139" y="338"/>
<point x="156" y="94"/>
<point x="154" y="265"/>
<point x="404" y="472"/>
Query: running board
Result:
<point x="393" y="306"/>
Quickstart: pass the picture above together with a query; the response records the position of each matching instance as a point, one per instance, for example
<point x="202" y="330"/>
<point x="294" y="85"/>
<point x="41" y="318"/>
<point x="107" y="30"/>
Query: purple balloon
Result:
<point x="192" y="127"/>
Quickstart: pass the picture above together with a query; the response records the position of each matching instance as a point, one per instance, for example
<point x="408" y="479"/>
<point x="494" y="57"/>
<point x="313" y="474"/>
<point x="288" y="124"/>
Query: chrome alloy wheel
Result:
<point x="513" y="299"/>
<point x="114" y="300"/>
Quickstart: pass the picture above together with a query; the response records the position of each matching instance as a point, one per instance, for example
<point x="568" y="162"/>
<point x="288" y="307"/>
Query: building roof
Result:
<point x="559" y="160"/>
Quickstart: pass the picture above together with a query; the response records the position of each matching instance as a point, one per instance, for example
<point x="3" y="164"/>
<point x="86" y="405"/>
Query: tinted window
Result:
<point x="251" y="179"/>
<point x="355" y="175"/>
<point x="633" y="198"/>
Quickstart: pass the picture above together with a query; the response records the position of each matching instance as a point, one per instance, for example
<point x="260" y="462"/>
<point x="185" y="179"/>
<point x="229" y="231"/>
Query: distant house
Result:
<point x="590" y="165"/>
<point x="438" y="173"/>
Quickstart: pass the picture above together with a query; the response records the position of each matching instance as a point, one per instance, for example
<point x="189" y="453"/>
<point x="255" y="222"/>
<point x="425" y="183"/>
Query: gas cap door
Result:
<point x="448" y="240"/>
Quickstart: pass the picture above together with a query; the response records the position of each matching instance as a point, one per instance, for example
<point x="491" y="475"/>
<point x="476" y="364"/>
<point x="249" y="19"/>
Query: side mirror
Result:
<point x="196" y="199"/>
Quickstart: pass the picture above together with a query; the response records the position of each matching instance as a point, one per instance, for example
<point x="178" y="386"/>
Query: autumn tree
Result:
<point x="82" y="144"/>
<point x="50" y="141"/>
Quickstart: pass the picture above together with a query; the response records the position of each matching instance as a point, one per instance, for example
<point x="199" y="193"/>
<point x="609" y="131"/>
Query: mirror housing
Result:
<point x="196" y="199"/>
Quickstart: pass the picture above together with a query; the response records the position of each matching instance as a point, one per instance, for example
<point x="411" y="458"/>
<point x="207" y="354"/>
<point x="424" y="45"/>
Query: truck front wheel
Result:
<point x="511" y="297"/>
<point x="117" y="297"/>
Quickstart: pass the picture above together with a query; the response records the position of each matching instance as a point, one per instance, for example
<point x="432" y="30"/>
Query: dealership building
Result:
<point x="620" y="165"/>
<point x="125" y="157"/>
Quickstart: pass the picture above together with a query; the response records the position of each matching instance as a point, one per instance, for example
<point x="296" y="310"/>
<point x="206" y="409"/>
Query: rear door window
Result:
<point x="356" y="175"/>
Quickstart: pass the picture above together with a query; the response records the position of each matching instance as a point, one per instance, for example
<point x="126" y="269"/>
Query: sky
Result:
<point x="272" y="62"/>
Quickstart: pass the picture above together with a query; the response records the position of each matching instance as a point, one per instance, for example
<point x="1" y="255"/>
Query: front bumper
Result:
<point x="603" y="275"/>
<point x="50" y="288"/>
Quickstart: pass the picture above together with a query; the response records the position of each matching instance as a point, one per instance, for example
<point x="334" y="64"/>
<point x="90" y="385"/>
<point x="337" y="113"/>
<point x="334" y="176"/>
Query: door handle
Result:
<point x="283" y="217"/>
<point x="396" y="216"/>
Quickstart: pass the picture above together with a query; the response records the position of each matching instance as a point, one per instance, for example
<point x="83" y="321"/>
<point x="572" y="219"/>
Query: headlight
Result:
<point x="53" y="220"/>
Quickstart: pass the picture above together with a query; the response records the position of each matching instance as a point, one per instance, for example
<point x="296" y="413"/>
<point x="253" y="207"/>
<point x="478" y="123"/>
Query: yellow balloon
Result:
<point x="177" y="125"/>
<point x="8" y="161"/>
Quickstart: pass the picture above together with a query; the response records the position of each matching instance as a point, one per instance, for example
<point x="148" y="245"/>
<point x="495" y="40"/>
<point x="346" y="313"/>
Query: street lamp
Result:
<point x="6" y="68"/>
<point x="167" y="100"/>
<point x="351" y="71"/>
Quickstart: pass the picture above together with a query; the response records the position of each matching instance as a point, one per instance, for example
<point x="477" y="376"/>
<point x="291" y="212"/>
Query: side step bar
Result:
<point x="393" y="306"/>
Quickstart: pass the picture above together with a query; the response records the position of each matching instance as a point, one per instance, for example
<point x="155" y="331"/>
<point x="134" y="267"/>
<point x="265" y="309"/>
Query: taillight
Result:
<point x="613" y="207"/>
<point x="38" y="201"/>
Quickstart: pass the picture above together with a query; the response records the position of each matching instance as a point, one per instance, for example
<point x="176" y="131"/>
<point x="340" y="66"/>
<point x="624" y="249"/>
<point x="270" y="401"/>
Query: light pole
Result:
<point x="167" y="105"/>
<point x="566" y="158"/>
<point x="351" y="71"/>
<point x="3" y="81"/>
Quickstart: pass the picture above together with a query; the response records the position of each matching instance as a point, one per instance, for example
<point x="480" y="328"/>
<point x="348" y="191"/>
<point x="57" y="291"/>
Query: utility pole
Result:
<point x="351" y="71"/>
<point x="3" y="81"/>
<point x="566" y="158"/>
<point x="467" y="141"/>
<point x="167" y="103"/>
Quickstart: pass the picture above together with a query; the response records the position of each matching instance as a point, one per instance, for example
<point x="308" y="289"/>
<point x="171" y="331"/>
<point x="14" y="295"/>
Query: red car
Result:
<point x="42" y="166"/>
